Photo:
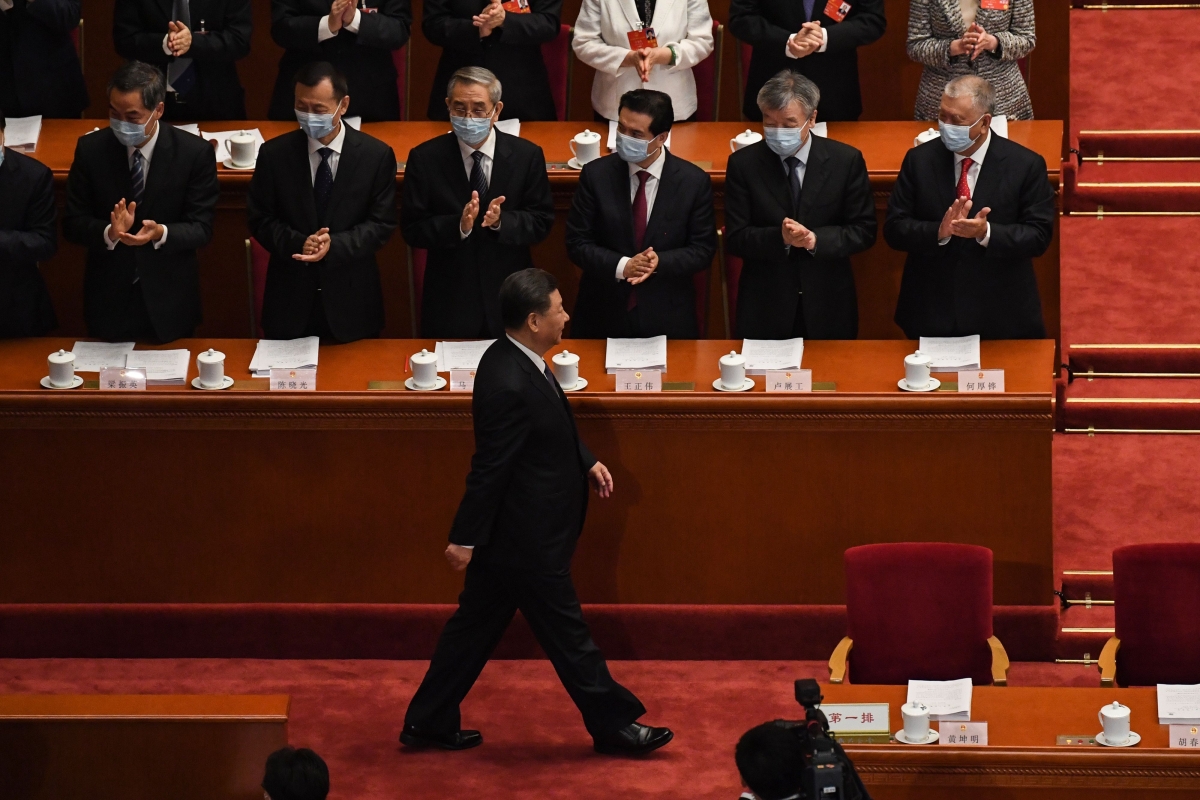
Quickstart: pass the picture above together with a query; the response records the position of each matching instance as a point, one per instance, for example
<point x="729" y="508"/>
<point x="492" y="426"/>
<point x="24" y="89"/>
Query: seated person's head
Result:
<point x="322" y="98"/>
<point x="473" y="100"/>
<point x="968" y="103"/>
<point x="295" y="775"/>
<point x="643" y="121"/>
<point x="770" y="761"/>
<point x="788" y="102"/>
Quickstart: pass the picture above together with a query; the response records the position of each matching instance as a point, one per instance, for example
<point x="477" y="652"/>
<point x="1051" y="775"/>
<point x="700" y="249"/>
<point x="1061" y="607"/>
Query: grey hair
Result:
<point x="143" y="77"/>
<point x="980" y="90"/>
<point x="782" y="89"/>
<point x="478" y="76"/>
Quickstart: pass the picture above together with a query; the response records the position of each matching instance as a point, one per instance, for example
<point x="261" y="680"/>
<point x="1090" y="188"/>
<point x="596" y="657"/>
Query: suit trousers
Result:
<point x="492" y="593"/>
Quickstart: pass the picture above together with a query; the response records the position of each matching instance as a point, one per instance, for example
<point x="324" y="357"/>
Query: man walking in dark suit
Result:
<point x="969" y="274"/>
<point x="515" y="533"/>
<point x="197" y="43"/>
<point x="27" y="235"/>
<point x="140" y="197"/>
<point x="797" y="206"/>
<point x="357" y="41"/>
<point x="641" y="227"/>
<point x="323" y="202"/>
<point x="815" y="38"/>
<point x="481" y="33"/>
<point x="477" y="199"/>
<point x="39" y="67"/>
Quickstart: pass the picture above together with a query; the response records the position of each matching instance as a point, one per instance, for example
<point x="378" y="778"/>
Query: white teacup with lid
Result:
<point x="240" y="147"/>
<point x="1115" y="719"/>
<point x="586" y="146"/>
<point x="733" y="371"/>
<point x="916" y="370"/>
<point x="744" y="139"/>
<point x="62" y="369"/>
<point x="424" y="367"/>
<point x="566" y="369"/>
<point x="916" y="722"/>
<point x="211" y="366"/>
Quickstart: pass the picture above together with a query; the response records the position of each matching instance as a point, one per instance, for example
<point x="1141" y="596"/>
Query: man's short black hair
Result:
<point x="296" y="775"/>
<point x="771" y="761"/>
<point x="142" y="77"/>
<point x="652" y="103"/>
<point x="312" y="73"/>
<point x="524" y="293"/>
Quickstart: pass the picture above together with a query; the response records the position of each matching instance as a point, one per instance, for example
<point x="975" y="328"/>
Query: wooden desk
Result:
<point x="138" y="747"/>
<point x="225" y="290"/>
<point x="346" y="495"/>
<point x="1022" y="759"/>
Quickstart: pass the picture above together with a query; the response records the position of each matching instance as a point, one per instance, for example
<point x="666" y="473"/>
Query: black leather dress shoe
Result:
<point x="459" y="740"/>
<point x="634" y="739"/>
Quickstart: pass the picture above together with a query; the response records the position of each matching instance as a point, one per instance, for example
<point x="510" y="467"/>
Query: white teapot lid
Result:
<point x="424" y="357"/>
<point x="587" y="135"/>
<point x="566" y="358"/>
<point x="733" y="359"/>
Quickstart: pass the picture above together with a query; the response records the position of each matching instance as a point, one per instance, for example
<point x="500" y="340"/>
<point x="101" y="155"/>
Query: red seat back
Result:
<point x="258" y="261"/>
<point x="744" y="53"/>
<point x="1156" y="589"/>
<point x="557" y="55"/>
<point x="731" y="267"/>
<point x="417" y="259"/>
<point x="919" y="611"/>
<point x="708" y="79"/>
<point x="400" y="59"/>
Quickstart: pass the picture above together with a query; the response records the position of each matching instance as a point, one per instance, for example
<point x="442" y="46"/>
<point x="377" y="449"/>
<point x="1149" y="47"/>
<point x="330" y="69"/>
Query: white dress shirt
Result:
<point x="973" y="176"/>
<point x="655" y="169"/>
<point x="314" y="155"/>
<point x="147" y="156"/>
<point x="800" y="155"/>
<point x="787" y="51"/>
<point x="323" y="31"/>
<point x="488" y="148"/>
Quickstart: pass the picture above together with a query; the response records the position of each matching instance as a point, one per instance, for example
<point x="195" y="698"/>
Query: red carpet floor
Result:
<point x="535" y="744"/>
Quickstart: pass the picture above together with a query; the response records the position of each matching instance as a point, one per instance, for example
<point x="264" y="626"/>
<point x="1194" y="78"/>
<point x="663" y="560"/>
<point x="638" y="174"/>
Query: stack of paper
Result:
<point x="947" y="701"/>
<point x="771" y="354"/>
<point x="221" y="136"/>
<point x="21" y="133"/>
<point x="284" y="354"/>
<point x="95" y="356"/>
<point x="951" y="353"/>
<point x="636" y="354"/>
<point x="1178" y="704"/>
<point x="460" y="355"/>
<point x="163" y="367"/>
<point x="189" y="127"/>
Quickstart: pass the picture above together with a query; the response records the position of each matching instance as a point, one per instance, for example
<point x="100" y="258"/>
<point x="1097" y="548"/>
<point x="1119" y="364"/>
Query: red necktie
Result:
<point x="964" y="188"/>
<point x="639" y="226"/>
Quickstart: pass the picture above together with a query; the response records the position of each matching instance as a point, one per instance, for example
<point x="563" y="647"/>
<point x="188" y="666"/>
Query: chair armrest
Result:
<point x="837" y="661"/>
<point x="999" y="662"/>
<point x="1108" y="662"/>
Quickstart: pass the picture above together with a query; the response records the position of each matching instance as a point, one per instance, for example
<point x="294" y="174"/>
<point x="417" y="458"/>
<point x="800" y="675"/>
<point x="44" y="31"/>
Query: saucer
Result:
<point x="76" y="382"/>
<point x="1133" y="739"/>
<point x="746" y="386"/>
<point x="228" y="164"/>
<point x="573" y="163"/>
<point x="440" y="383"/>
<point x="929" y="739"/>
<point x="226" y="382"/>
<point x="933" y="384"/>
<point x="579" y="384"/>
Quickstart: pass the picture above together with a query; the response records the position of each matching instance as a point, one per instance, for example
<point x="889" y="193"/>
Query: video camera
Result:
<point x="828" y="772"/>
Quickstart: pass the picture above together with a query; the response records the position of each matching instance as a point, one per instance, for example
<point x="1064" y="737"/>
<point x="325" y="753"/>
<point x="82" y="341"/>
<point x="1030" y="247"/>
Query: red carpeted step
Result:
<point x="1124" y="172"/>
<point x="1133" y="360"/>
<point x="1082" y="584"/>
<point x="1147" y="143"/>
<point x="1132" y="404"/>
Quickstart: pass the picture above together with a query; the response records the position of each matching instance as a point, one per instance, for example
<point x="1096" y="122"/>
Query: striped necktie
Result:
<point x="479" y="181"/>
<point x="138" y="175"/>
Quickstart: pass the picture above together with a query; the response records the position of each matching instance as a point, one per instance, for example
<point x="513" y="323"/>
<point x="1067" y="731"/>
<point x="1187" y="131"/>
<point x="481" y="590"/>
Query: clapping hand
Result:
<point x="807" y="40"/>
<point x="641" y="266"/>
<point x="797" y="235"/>
<point x="470" y="212"/>
<point x="316" y="247"/>
<point x="973" y="228"/>
<point x="977" y="41"/>
<point x="151" y="232"/>
<point x="179" y="38"/>
<point x="121" y="219"/>
<point x="489" y="19"/>
<point x="338" y="12"/>
<point x="601" y="480"/>
<point x="458" y="556"/>
<point x="492" y="217"/>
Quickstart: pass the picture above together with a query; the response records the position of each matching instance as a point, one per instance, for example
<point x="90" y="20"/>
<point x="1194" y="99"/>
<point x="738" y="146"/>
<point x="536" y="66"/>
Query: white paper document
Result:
<point x="1178" y="704"/>
<point x="284" y="354"/>
<point x="763" y="355"/>
<point x="21" y="133"/>
<point x="95" y="356"/>
<point x="636" y="354"/>
<point x="612" y="137"/>
<point x="951" y="353"/>
<point x="221" y="136"/>
<point x="353" y="122"/>
<point x="948" y="701"/>
<point x="510" y="126"/>
<point x="189" y="127"/>
<point x="821" y="129"/>
<point x="460" y="355"/>
<point x="163" y="367"/>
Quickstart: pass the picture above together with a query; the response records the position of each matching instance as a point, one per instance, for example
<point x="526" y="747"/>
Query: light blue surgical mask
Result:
<point x="1" y="154"/>
<point x="471" y="130"/>
<point x="130" y="134"/>
<point x="631" y="150"/>
<point x="316" y="126"/>
<point x="784" y="141"/>
<point x="957" y="137"/>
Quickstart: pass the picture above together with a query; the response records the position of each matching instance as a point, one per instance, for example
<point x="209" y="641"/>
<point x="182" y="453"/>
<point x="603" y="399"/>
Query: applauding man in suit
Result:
<point x="140" y="198"/>
<point x="797" y="206"/>
<point x="323" y="202"/>
<point x="641" y="227"/>
<point x="515" y="533"/>
<point x="27" y="235"/>
<point x="477" y="199"/>
<point x="972" y="211"/>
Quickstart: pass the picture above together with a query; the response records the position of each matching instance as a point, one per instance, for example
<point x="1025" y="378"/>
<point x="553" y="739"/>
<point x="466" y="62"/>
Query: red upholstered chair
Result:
<point x="731" y="276"/>
<point x="744" y="53"/>
<point x="1155" y="588"/>
<point x="708" y="79"/>
<point x="919" y="611"/>
<point x="257" y="261"/>
<point x="400" y="59"/>
<point x="557" y="55"/>
<point x="416" y="285"/>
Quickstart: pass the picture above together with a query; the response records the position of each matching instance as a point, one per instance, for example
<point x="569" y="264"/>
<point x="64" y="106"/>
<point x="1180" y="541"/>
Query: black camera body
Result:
<point x="828" y="771"/>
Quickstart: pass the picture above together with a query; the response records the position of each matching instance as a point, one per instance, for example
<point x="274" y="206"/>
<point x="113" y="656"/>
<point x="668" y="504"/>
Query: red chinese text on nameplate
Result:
<point x="462" y="380"/>
<point x="1186" y="737"/>
<point x="293" y="380"/>
<point x="793" y="380"/>
<point x="985" y="381"/>
<point x="963" y="734"/>
<point x="639" y="380"/>
<point x="640" y="40"/>
<point x="120" y="379"/>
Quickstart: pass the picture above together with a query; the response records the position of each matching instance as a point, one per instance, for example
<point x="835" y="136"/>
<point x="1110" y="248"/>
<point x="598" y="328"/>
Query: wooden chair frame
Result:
<point x="839" y="661"/>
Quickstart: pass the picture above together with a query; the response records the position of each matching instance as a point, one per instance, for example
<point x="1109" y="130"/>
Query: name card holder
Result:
<point x="462" y="380"/>
<point x="963" y="734"/>
<point x="981" y="381"/>
<point x="122" y="379"/>
<point x="293" y="380"/>
<point x="789" y="381"/>
<point x="639" y="380"/>
<point x="1185" y="737"/>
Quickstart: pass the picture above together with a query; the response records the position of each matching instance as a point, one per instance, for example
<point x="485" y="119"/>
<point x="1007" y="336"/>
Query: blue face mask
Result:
<point x="316" y="126"/>
<point x="472" y="130"/>
<point x="632" y="150"/>
<point x="130" y="134"/>
<point x="784" y="141"/>
<point x="1" y="154"/>
<point x="957" y="137"/>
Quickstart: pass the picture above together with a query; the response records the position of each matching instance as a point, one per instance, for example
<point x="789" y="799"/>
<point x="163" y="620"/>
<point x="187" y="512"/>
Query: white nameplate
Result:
<point x="986" y="381"/>
<point x="793" y="380"/>
<point x="121" y="379"/>
<point x="639" y="380"/>
<point x="857" y="717"/>
<point x="1185" y="736"/>
<point x="462" y="380"/>
<point x="963" y="734"/>
<point x="293" y="380"/>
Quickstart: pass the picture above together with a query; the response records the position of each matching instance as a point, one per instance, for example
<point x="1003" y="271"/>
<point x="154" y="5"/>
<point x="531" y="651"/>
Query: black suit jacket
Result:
<point x="361" y="217"/>
<point x="836" y="204"/>
<point x="513" y="52"/>
<point x="39" y="68"/>
<point x="461" y="298"/>
<point x="526" y="495"/>
<point x="181" y="192"/>
<point x="364" y="58"/>
<point x="962" y="288"/>
<point x="600" y="232"/>
<point x="27" y="235"/>
<point x="767" y="24"/>
<point x="138" y="30"/>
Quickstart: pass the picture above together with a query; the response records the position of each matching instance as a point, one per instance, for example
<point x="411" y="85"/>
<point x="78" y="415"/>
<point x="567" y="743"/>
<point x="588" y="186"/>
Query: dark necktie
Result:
<point x="138" y="176"/>
<point x="479" y="181"/>
<point x="550" y="377"/>
<point x="181" y="74"/>
<point x="793" y="165"/>
<point x="639" y="228"/>
<point x="323" y="184"/>
<point x="808" y="9"/>
<point x="964" y="188"/>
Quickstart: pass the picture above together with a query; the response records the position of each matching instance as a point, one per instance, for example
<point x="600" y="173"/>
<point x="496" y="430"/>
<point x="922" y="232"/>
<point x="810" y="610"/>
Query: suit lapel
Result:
<point x="815" y="175"/>
<point x="537" y="378"/>
<point x="348" y="163"/>
<point x="167" y="7"/>
<point x="775" y="177"/>
<point x="460" y="184"/>
<point x="946" y="178"/>
<point x="303" y="172"/>
<point x="662" y="197"/>
<point x="953" y="12"/>
<point x="990" y="176"/>
<point x="501" y="171"/>
<point x="623" y="201"/>
<point x="629" y="8"/>
<point x="160" y="168"/>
